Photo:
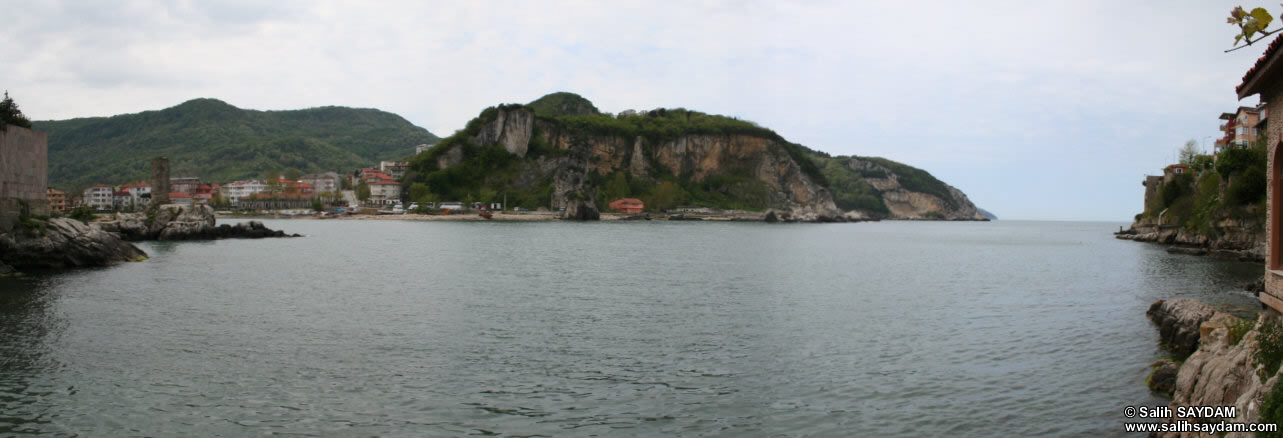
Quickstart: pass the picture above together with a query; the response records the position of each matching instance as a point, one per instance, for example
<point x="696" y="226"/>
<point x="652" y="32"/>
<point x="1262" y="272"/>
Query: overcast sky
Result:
<point x="1037" y="110"/>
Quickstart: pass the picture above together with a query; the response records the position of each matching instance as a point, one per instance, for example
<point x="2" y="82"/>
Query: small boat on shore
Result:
<point x="485" y="214"/>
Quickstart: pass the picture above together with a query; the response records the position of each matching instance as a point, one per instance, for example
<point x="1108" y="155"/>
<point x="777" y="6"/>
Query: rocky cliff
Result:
<point x="1222" y="371"/>
<point x="61" y="243"/>
<point x="913" y="196"/>
<point x="559" y="152"/>
<point x="1243" y="237"/>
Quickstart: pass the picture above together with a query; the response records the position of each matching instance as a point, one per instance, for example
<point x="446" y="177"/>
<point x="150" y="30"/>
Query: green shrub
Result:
<point x="1247" y="187"/>
<point x="82" y="213"/>
<point x="1272" y="411"/>
<point x="1269" y="349"/>
<point x="1240" y="327"/>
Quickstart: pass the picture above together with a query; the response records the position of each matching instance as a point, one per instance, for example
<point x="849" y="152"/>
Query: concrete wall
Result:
<point x="24" y="174"/>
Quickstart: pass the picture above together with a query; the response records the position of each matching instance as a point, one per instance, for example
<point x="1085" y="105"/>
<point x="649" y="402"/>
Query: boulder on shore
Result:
<point x="184" y="223"/>
<point x="580" y="210"/>
<point x="1178" y="321"/>
<point x="1163" y="379"/>
<point x="1221" y="371"/>
<point x="61" y="243"/>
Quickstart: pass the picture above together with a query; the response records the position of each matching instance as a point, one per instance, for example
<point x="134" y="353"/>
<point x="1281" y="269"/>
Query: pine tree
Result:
<point x="10" y="114"/>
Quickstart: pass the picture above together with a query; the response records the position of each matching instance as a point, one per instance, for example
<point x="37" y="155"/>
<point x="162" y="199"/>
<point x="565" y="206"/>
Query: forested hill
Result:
<point x="218" y="142"/>
<point x="560" y="151"/>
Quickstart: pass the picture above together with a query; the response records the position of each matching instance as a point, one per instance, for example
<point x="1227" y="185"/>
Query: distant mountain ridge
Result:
<point x="218" y="142"/>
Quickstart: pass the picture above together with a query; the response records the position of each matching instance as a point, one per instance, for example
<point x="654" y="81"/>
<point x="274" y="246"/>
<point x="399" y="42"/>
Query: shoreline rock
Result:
<point x="1179" y="321"/>
<point x="184" y="223"/>
<point x="61" y="243"/>
<point x="1219" y="372"/>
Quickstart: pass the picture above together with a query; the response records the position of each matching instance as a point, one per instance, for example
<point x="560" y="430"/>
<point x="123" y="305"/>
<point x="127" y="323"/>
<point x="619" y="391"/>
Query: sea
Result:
<point x="638" y="328"/>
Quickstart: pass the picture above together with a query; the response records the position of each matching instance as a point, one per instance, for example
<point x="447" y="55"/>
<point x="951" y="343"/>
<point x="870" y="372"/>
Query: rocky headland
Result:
<point x="561" y="152"/>
<point x="1228" y="361"/>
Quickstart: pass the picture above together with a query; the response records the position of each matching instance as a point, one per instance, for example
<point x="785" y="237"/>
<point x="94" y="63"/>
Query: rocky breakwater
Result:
<point x="61" y="243"/>
<point x="1225" y="367"/>
<point x="183" y="223"/>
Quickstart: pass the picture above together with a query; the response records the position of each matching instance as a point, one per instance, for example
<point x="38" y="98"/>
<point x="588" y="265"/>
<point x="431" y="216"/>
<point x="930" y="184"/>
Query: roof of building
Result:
<point x="385" y="182"/>
<point x="1267" y="65"/>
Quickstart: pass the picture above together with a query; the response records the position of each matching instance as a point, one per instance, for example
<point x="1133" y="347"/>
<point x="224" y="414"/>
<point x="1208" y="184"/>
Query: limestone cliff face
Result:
<point x="697" y="157"/>
<point x="908" y="204"/>
<point x="512" y="130"/>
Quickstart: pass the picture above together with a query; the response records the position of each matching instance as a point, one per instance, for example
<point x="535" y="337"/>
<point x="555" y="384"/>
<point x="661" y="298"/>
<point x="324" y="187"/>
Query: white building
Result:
<point x="393" y="169"/>
<point x="99" y="197"/>
<point x="243" y="189"/>
<point x="423" y="147"/>
<point x="324" y="182"/>
<point x="385" y="192"/>
<point x="139" y="193"/>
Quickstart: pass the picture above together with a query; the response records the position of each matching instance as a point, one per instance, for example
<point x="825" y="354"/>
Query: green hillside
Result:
<point x="218" y="142"/>
<point x="563" y="104"/>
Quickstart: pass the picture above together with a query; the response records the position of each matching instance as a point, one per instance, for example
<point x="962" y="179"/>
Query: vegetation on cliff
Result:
<point x="1230" y="186"/>
<point x="459" y="169"/>
<point x="852" y="191"/>
<point x="562" y="104"/>
<point x="216" y="141"/>
<point x="486" y="173"/>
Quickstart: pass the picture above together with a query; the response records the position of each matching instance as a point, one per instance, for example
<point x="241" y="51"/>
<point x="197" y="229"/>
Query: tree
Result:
<point x="362" y="191"/>
<point x="1189" y="152"/>
<point x="292" y="175"/>
<point x="487" y="195"/>
<point x="418" y="191"/>
<point x="667" y="195"/>
<point x="617" y="187"/>
<point x="1249" y="24"/>
<point x="317" y="205"/>
<point x="11" y="115"/>
<point x="273" y="181"/>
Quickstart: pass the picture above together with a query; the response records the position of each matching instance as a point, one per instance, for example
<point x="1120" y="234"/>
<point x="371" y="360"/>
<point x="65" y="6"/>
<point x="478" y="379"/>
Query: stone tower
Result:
<point x="159" y="181"/>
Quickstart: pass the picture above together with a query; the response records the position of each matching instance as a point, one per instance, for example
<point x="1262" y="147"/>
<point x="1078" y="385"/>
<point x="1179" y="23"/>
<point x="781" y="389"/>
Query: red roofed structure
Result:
<point x="627" y="205"/>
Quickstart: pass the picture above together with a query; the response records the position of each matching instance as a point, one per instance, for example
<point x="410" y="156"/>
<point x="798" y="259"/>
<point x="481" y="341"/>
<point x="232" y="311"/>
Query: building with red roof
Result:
<point x="627" y="205"/>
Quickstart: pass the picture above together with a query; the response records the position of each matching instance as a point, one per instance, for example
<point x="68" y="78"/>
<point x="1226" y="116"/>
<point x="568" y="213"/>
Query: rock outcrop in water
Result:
<point x="1240" y="238"/>
<point x="184" y="223"/>
<point x="1221" y="371"/>
<point x="1178" y="322"/>
<point x="61" y="243"/>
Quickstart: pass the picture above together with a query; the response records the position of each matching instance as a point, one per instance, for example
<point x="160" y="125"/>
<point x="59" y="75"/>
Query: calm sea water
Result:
<point x="640" y="328"/>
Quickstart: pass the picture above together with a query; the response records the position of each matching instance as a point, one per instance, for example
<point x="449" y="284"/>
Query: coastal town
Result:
<point x="370" y="188"/>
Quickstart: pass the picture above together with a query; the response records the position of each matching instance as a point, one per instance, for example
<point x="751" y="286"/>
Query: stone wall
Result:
<point x="24" y="174"/>
<point x="1273" y="295"/>
<point x="159" y="181"/>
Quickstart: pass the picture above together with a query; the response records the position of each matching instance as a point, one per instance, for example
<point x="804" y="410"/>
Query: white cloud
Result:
<point x="982" y="95"/>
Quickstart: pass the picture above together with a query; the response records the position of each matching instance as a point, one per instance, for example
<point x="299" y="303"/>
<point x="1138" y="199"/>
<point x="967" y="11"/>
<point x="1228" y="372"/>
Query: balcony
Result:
<point x="1222" y="126"/>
